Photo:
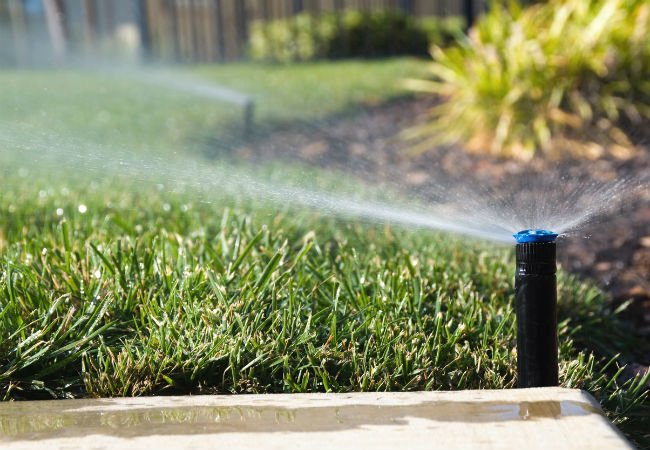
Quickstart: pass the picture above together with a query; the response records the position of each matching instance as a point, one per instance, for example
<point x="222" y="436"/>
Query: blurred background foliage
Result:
<point x="562" y="76"/>
<point x="353" y="34"/>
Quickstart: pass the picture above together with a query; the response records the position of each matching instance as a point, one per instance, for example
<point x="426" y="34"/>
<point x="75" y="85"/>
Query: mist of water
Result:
<point x="463" y="206"/>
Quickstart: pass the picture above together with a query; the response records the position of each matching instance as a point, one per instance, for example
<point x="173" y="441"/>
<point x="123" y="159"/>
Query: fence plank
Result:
<point x="220" y="35"/>
<point x="89" y="11"/>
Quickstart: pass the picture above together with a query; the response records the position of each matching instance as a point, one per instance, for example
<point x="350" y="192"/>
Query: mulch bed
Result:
<point x="616" y="255"/>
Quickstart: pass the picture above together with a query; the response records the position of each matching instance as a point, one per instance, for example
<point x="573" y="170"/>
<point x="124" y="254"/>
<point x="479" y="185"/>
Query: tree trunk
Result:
<point x="55" y="15"/>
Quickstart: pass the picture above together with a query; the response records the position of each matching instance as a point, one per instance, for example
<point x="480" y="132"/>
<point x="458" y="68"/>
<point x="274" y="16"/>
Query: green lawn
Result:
<point x="130" y="109"/>
<point x="121" y="277"/>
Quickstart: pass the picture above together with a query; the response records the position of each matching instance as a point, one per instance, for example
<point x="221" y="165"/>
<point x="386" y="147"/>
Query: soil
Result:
<point x="616" y="254"/>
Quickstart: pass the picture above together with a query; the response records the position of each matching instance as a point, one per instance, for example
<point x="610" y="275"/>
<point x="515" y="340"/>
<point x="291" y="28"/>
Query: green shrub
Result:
<point x="352" y="34"/>
<point x="377" y="34"/>
<point x="565" y="73"/>
<point x="300" y="39"/>
<point x="443" y="31"/>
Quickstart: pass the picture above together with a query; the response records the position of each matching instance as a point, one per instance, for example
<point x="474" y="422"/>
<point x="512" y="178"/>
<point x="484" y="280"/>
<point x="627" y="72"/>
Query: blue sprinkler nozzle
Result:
<point x="526" y="236"/>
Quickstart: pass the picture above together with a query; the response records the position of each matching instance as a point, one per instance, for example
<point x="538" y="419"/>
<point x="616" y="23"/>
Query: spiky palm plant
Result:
<point x="527" y="79"/>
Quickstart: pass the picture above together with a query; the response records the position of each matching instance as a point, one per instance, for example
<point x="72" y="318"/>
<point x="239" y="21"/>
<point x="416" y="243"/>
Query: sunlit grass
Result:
<point x="131" y="109"/>
<point x="145" y="292"/>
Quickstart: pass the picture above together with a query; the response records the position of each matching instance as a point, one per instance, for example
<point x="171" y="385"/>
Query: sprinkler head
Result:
<point x="534" y="236"/>
<point x="535" y="304"/>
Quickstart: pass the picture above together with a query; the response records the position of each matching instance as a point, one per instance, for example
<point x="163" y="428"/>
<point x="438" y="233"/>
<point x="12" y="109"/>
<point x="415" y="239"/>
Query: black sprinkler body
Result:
<point x="536" y="302"/>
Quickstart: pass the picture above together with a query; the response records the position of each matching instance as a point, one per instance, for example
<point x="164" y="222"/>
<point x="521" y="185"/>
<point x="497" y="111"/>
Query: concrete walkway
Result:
<point x="548" y="418"/>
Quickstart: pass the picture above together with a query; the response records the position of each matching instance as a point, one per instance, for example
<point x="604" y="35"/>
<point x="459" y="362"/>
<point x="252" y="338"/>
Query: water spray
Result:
<point x="536" y="301"/>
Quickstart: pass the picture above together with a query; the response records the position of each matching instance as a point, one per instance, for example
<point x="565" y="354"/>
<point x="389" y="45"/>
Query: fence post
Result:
<point x="18" y="29"/>
<point x="194" y="32"/>
<point x="89" y="10"/>
<point x="242" y="25"/>
<point x="55" y="16"/>
<point x="143" y="25"/>
<point x="173" y="21"/>
<point x="221" y="43"/>
<point x="406" y="6"/>
<point x="468" y="12"/>
<point x="108" y="12"/>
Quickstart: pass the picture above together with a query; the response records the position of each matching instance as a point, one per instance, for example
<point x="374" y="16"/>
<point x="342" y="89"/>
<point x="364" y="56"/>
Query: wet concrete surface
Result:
<point x="46" y="421"/>
<point x="466" y="419"/>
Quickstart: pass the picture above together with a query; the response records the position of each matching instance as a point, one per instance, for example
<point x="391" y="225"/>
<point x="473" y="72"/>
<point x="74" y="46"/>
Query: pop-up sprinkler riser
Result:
<point x="536" y="303"/>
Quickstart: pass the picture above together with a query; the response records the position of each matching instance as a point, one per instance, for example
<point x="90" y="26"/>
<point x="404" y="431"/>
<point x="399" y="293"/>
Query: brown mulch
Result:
<point x="617" y="253"/>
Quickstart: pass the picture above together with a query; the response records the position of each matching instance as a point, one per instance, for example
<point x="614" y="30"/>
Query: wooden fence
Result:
<point x="214" y="30"/>
<point x="175" y="30"/>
